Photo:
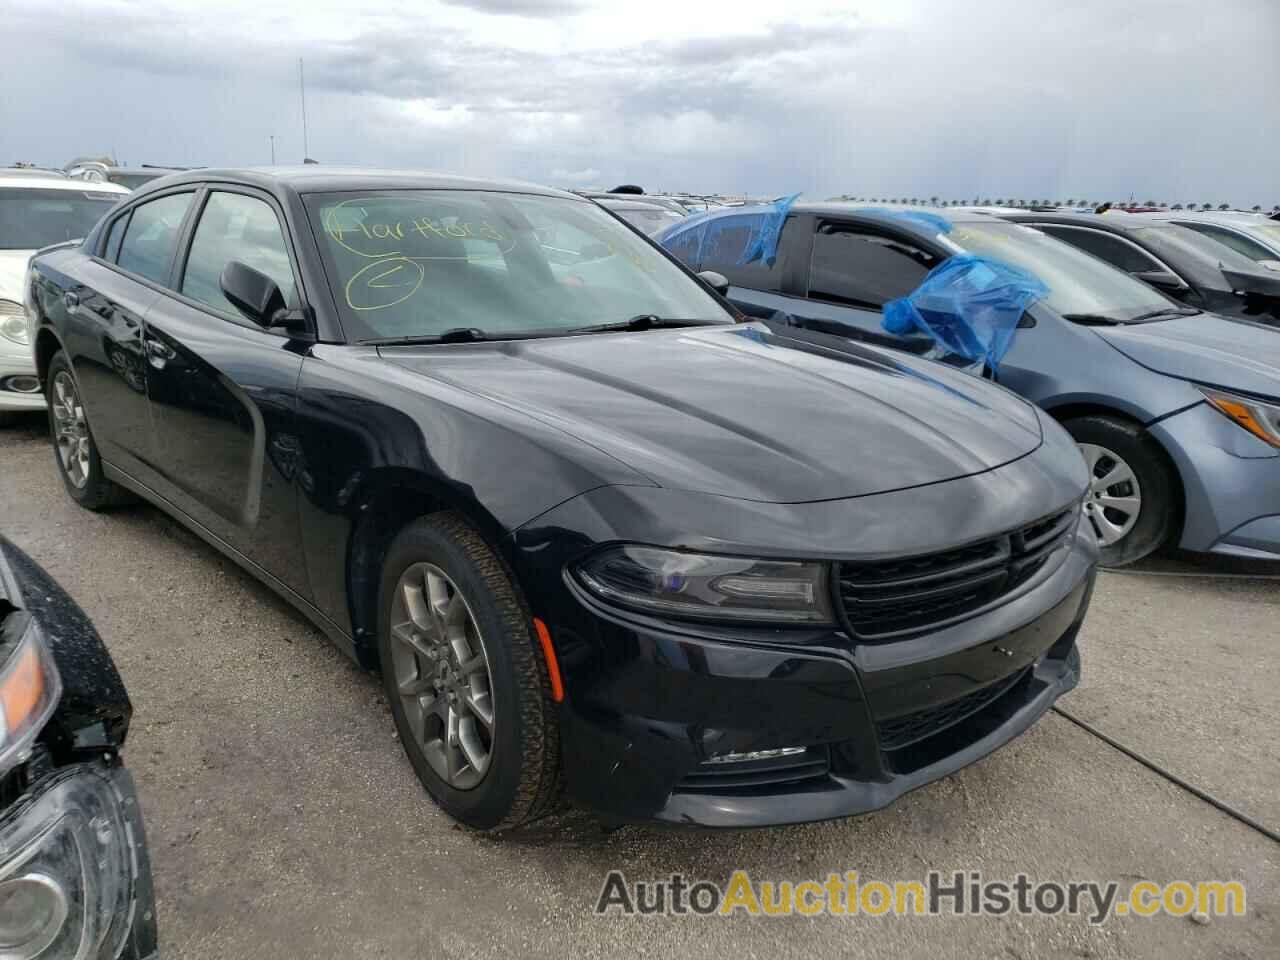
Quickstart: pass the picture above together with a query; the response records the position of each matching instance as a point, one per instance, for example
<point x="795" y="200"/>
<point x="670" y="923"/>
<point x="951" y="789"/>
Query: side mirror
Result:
<point x="716" y="281"/>
<point x="1160" y="278"/>
<point x="253" y="293"/>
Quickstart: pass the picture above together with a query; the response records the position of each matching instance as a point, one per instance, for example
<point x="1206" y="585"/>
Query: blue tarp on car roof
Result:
<point x="741" y="236"/>
<point x="969" y="305"/>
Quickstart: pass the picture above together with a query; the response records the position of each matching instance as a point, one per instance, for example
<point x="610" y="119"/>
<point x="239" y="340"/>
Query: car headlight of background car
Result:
<point x="706" y="586"/>
<point x="1258" y="417"/>
<point x="13" y="322"/>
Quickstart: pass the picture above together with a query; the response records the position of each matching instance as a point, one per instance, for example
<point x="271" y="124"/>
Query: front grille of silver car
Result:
<point x="888" y="598"/>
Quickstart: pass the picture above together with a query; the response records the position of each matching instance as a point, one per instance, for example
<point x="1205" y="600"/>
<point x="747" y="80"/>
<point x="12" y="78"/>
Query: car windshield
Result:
<point x="1174" y="242"/>
<point x="1268" y="232"/>
<point x="31" y="218"/>
<point x="421" y="263"/>
<point x="1080" y="285"/>
<point x="650" y="220"/>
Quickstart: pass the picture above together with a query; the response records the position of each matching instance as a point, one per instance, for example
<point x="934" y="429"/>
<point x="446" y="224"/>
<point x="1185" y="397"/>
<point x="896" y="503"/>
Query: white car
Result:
<point x="36" y="211"/>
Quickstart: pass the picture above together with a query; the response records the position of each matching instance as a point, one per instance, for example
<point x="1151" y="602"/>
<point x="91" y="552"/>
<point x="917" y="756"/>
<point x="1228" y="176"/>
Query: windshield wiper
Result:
<point x="456" y="335"/>
<point x="1164" y="313"/>
<point x="1092" y="319"/>
<point x="644" y="321"/>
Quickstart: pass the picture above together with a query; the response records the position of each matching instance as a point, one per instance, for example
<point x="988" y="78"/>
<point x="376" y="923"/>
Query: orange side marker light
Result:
<point x="553" y="666"/>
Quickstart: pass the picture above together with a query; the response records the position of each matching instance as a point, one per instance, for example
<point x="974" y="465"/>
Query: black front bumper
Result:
<point x="650" y="703"/>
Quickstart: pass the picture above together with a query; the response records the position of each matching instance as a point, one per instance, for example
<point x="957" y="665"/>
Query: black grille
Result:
<point x="888" y="597"/>
<point x="903" y="731"/>
<point x="753" y="774"/>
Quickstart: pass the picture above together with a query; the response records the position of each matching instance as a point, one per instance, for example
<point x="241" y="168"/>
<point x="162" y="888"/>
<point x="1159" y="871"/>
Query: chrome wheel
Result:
<point x="1114" y="500"/>
<point x="442" y="675"/>
<point x="71" y="432"/>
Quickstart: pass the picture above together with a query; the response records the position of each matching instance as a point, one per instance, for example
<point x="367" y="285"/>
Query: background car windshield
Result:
<point x="650" y="221"/>
<point x="1078" y="282"/>
<point x="32" y="218"/>
<point x="418" y="263"/>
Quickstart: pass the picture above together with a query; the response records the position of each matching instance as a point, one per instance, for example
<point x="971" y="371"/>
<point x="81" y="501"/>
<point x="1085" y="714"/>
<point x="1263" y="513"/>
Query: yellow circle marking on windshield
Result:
<point x="387" y="277"/>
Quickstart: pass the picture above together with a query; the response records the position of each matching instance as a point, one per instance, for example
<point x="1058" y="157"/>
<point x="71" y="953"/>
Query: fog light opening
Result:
<point x="756" y="755"/>
<point x="22" y="384"/>
<point x="33" y="909"/>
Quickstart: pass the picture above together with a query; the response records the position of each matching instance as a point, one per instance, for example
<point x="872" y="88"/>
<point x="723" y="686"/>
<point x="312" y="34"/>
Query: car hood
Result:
<point x="1234" y="354"/>
<point x="13" y="270"/>
<point x="733" y="412"/>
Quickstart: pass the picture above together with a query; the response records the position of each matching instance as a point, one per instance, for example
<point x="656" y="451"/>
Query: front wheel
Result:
<point x="464" y="677"/>
<point x="1131" y="501"/>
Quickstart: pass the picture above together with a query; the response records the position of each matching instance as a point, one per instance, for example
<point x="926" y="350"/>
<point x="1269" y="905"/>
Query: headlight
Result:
<point x="1260" y="419"/>
<point x="13" y="322"/>
<point x="68" y="866"/>
<point x="708" y="587"/>
<point x="29" y="692"/>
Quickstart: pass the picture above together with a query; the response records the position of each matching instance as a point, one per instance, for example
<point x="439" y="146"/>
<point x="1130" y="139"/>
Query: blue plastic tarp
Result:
<point x="969" y="305"/>
<point x="740" y="236"/>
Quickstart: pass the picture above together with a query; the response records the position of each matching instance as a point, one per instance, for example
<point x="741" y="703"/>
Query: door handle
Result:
<point x="71" y="299"/>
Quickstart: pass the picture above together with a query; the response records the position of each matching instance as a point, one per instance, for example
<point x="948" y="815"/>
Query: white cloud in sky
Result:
<point x="1013" y="97"/>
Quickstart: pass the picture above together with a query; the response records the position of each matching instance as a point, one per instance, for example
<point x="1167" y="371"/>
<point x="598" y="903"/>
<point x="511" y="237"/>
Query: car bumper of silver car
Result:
<point x="1231" y="484"/>
<point x="19" y="388"/>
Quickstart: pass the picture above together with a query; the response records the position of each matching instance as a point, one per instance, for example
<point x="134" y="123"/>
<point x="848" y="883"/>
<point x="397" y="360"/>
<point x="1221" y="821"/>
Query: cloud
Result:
<point x="522" y="8"/>
<point x="1034" y="98"/>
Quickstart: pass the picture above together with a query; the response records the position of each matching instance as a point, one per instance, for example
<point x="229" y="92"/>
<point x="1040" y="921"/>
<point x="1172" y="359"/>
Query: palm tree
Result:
<point x="1257" y="208"/>
<point x="1176" y="206"/>
<point x="1224" y="206"/>
<point x="1206" y="206"/>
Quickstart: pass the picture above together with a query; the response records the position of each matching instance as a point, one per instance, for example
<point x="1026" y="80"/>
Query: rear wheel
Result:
<point x="1131" y="500"/>
<point x="464" y="677"/>
<point x="73" y="448"/>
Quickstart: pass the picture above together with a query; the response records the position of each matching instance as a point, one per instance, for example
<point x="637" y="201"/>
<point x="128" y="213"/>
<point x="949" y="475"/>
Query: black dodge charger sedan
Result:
<point x="599" y="537"/>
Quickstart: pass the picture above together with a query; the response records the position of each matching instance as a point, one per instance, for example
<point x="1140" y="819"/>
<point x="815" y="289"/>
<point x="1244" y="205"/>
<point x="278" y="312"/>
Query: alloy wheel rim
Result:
<point x="441" y="671"/>
<point x="1114" y="500"/>
<point x="71" y="431"/>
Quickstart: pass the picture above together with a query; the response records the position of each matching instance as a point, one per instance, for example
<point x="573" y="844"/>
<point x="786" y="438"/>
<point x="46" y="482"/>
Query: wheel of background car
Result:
<point x="73" y="448"/>
<point x="465" y="679"/>
<point x="1131" y="501"/>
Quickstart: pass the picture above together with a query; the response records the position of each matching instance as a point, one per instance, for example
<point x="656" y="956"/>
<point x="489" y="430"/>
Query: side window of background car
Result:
<point x="152" y="236"/>
<point x="1115" y="251"/>
<point x="235" y="227"/>
<point x="864" y="270"/>
<point x="727" y="240"/>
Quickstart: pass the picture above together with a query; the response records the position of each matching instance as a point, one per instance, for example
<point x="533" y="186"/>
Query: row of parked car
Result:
<point x="680" y="532"/>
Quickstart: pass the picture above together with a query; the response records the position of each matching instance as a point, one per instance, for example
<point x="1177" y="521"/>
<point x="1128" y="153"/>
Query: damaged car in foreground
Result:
<point x="75" y="879"/>
<point x="600" y="538"/>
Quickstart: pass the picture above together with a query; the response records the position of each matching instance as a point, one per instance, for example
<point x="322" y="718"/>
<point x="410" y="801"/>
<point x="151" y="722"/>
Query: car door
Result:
<point x="103" y="327"/>
<point x="222" y="389"/>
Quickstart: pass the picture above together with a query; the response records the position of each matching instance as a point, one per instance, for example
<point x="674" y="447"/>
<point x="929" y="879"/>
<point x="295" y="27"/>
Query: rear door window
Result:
<point x="112" y="249"/>
<point x="151" y="237"/>
<point x="1117" y="252"/>
<point x="864" y="269"/>
<point x="233" y="226"/>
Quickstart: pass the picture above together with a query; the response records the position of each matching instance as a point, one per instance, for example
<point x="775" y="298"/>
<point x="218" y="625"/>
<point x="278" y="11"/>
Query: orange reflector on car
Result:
<point x="553" y="667"/>
<point x="23" y="689"/>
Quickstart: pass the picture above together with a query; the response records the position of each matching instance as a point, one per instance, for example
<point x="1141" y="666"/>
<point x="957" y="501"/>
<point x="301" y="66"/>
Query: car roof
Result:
<point x="328" y="178"/>
<point x="1114" y="221"/>
<point x="1238" y="218"/>
<point x="838" y="208"/>
<point x="56" y="181"/>
<point x="620" y="202"/>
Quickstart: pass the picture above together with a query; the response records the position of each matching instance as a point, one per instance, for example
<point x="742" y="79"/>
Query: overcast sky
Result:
<point x="1172" y="100"/>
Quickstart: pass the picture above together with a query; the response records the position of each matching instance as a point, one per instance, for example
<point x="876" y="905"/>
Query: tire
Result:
<point x="81" y="474"/>
<point x="520" y="782"/>
<point x="1108" y="443"/>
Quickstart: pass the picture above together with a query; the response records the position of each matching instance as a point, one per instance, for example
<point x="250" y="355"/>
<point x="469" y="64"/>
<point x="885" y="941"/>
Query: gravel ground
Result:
<point x="284" y="821"/>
